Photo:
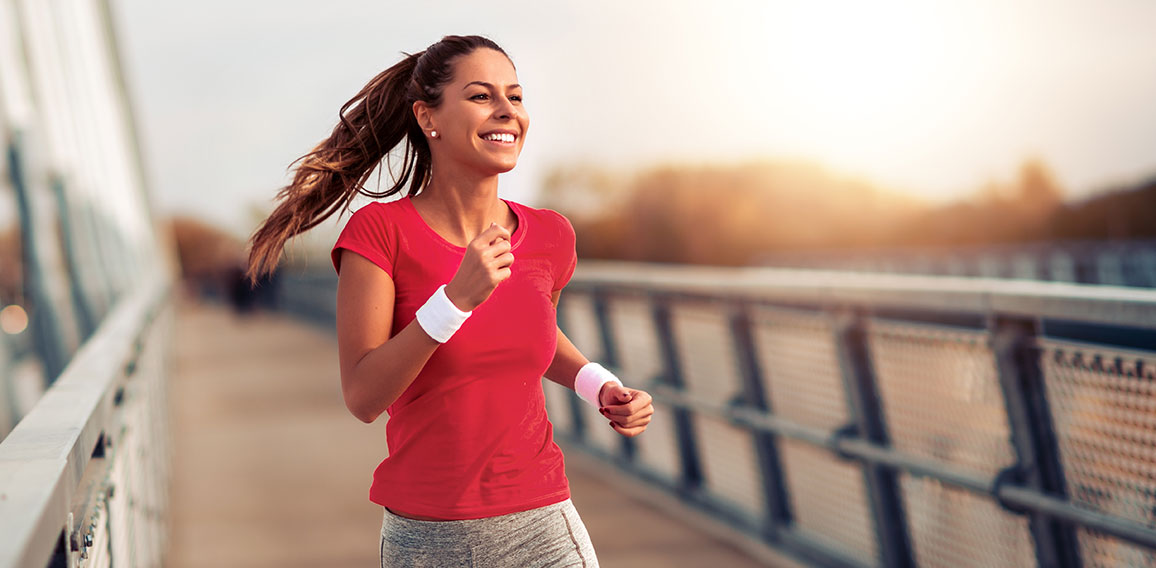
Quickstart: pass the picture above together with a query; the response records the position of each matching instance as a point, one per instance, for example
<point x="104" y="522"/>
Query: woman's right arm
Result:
<point x="375" y="368"/>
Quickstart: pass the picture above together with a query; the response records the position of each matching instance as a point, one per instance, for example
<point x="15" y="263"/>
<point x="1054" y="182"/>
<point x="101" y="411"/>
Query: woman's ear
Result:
<point x="424" y="115"/>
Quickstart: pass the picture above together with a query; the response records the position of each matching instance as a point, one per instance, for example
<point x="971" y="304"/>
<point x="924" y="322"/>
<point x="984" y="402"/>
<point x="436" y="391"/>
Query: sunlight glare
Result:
<point x="13" y="319"/>
<point x="866" y="69"/>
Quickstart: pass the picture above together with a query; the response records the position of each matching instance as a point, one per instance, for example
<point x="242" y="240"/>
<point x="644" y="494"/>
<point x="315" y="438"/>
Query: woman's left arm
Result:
<point x="628" y="410"/>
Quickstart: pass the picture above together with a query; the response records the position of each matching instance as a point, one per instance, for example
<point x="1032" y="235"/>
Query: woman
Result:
<point x="446" y="314"/>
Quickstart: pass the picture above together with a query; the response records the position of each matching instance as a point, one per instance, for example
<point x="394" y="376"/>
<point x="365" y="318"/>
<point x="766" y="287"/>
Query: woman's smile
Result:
<point x="501" y="137"/>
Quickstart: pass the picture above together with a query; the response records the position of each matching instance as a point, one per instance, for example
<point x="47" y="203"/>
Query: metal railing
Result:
<point x="1116" y="263"/>
<point x="84" y="330"/>
<point x="876" y="420"/>
<point x="84" y="475"/>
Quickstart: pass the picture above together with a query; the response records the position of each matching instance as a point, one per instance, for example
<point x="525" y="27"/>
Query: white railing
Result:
<point x="84" y="475"/>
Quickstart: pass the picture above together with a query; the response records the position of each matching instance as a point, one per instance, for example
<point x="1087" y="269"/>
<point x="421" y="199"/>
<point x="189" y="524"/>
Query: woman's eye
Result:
<point x="516" y="98"/>
<point x="480" y="97"/>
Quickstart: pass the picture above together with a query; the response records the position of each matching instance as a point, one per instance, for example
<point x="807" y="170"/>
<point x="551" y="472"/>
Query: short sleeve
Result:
<point x="567" y="258"/>
<point x="367" y="233"/>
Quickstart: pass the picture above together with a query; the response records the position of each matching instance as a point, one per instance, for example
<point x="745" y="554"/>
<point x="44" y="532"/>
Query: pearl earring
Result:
<point x="433" y="133"/>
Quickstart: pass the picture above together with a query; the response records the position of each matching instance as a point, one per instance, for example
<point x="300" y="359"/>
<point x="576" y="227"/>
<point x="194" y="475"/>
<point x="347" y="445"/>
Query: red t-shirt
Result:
<point x="469" y="438"/>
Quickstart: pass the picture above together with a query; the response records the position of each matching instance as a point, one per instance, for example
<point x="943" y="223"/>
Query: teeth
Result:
<point x="500" y="137"/>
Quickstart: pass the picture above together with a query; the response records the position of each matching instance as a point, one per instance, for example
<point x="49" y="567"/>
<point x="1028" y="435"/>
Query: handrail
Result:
<point x="43" y="459"/>
<point x="1114" y="305"/>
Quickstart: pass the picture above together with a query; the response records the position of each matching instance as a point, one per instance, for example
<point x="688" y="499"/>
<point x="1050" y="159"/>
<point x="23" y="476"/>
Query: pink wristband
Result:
<point x="588" y="383"/>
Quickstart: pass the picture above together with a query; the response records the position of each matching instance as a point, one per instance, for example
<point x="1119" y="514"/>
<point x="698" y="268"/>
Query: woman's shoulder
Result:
<point x="547" y="218"/>
<point x="378" y="215"/>
<point x="377" y="208"/>
<point x="371" y="231"/>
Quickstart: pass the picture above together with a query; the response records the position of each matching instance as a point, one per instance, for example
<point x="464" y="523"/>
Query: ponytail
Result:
<point x="372" y="124"/>
<point x="329" y="177"/>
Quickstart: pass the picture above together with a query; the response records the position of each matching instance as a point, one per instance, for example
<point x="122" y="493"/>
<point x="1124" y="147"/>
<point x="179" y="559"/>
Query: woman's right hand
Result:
<point x="485" y="264"/>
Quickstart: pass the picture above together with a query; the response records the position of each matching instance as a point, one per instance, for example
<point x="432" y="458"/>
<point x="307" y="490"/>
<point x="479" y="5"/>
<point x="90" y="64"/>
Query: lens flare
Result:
<point x="13" y="319"/>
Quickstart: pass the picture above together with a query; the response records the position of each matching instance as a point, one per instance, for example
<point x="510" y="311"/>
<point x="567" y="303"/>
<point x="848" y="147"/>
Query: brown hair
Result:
<point x="372" y="124"/>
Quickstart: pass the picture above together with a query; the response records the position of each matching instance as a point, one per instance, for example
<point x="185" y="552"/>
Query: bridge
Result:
<point x="804" y="417"/>
<point x="852" y="419"/>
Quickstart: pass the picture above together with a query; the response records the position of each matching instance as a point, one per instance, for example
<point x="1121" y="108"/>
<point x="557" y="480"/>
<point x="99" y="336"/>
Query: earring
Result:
<point x="433" y="133"/>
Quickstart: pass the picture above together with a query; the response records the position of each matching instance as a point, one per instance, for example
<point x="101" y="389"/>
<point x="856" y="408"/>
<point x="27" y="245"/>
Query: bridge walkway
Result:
<point x="271" y="470"/>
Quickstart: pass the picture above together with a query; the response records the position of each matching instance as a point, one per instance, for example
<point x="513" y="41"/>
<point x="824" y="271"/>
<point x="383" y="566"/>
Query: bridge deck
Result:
<point x="270" y="469"/>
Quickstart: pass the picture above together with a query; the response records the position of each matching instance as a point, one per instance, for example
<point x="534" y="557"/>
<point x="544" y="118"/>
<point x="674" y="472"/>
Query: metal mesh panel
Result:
<point x="582" y="329"/>
<point x="1098" y="550"/>
<point x="1143" y="268"/>
<point x="706" y="351"/>
<point x="710" y="373"/>
<point x="640" y="361"/>
<point x="804" y="383"/>
<point x="827" y="498"/>
<point x="940" y="394"/>
<point x="727" y="457"/>
<point x="657" y="447"/>
<point x="951" y="528"/>
<point x="1103" y="405"/>
<point x="580" y="323"/>
<point x="800" y="366"/>
<point x="598" y="431"/>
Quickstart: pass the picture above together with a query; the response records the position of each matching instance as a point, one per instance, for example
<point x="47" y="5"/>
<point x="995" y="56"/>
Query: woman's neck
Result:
<point x="459" y="210"/>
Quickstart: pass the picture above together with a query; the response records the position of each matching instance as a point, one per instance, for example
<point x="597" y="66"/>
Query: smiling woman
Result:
<point x="440" y="326"/>
<point x="480" y="125"/>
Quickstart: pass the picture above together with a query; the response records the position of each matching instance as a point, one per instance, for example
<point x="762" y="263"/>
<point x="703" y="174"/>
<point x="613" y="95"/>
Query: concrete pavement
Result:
<point x="271" y="470"/>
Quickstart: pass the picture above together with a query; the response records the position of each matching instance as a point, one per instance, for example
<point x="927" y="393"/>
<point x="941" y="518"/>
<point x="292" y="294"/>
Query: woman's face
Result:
<point x="481" y="122"/>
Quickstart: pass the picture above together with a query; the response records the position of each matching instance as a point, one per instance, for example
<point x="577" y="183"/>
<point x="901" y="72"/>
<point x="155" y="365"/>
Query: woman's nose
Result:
<point x="505" y="109"/>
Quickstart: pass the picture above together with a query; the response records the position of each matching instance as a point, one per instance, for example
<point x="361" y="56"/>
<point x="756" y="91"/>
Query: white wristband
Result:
<point x="588" y="383"/>
<point x="439" y="317"/>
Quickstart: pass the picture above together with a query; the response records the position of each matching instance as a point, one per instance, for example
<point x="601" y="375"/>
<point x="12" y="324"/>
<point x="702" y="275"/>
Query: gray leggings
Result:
<point x="550" y="536"/>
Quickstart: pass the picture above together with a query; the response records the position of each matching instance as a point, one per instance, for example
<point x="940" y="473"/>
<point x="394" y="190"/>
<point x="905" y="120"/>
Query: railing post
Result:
<point x="86" y="318"/>
<point x="577" y="420"/>
<point x="1032" y="434"/>
<point x="692" y="477"/>
<point x="609" y="354"/>
<point x="46" y="324"/>
<point x="867" y="417"/>
<point x="766" y="444"/>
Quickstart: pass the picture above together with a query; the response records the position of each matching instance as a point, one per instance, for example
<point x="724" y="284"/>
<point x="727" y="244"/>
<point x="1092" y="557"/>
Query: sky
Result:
<point x="929" y="98"/>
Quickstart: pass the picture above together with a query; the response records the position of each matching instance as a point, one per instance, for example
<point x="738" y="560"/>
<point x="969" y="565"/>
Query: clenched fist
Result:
<point x="629" y="410"/>
<point x="485" y="264"/>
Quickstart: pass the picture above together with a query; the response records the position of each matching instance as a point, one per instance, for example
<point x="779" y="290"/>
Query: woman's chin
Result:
<point x="502" y="168"/>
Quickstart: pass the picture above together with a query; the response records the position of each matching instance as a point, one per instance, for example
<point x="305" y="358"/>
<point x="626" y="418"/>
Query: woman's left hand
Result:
<point x="628" y="410"/>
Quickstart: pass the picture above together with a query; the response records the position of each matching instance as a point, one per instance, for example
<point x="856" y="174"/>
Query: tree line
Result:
<point x="733" y="214"/>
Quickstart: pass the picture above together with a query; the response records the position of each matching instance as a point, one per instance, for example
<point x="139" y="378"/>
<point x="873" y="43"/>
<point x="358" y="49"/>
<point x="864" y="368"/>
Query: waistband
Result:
<point x="402" y="529"/>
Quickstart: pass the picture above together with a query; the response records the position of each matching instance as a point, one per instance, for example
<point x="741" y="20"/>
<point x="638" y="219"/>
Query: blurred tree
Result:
<point x="205" y="251"/>
<point x="732" y="214"/>
<point x="998" y="213"/>
<point x="1037" y="186"/>
<point x="1128" y="213"/>
<point x="723" y="215"/>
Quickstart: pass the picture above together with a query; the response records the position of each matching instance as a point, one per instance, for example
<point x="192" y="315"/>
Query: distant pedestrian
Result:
<point x="440" y="325"/>
<point x="241" y="294"/>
